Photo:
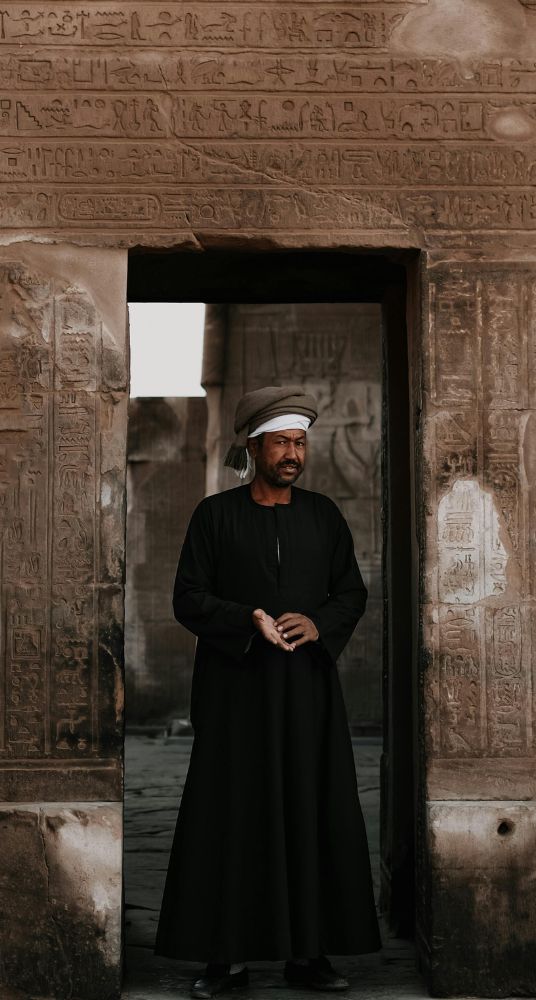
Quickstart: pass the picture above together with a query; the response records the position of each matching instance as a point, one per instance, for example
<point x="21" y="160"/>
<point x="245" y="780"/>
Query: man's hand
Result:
<point x="266" y="626"/>
<point x="291" y="624"/>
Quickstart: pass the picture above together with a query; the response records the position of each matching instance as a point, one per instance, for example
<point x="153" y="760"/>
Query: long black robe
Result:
<point x="269" y="858"/>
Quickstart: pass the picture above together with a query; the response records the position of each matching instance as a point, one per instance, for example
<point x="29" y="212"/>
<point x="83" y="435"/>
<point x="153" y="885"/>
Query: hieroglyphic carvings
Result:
<point x="508" y="683"/>
<point x="461" y="670"/>
<point x="184" y="25"/>
<point x="279" y="208"/>
<point x="369" y="117"/>
<point x="94" y="162"/>
<point x="472" y="557"/>
<point x="480" y="377"/>
<point x="199" y="101"/>
<point x="52" y="375"/>
<point x="157" y="69"/>
<point x="255" y="116"/>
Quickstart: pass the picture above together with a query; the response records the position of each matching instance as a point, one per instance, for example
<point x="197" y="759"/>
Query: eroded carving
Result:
<point x="51" y="349"/>
<point x="481" y="373"/>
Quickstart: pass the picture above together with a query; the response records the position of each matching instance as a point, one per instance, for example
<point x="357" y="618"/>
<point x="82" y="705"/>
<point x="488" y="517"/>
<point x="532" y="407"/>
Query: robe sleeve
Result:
<point x="337" y="618"/>
<point x="226" y="625"/>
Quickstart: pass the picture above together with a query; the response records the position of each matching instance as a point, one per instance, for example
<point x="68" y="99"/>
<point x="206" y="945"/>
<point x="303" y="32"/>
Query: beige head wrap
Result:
<point x="259" y="406"/>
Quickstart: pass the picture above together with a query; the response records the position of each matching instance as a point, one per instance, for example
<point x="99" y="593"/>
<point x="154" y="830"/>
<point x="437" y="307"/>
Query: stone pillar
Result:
<point x="63" y="416"/>
<point x="166" y="479"/>
<point x="477" y="844"/>
<point x="334" y="350"/>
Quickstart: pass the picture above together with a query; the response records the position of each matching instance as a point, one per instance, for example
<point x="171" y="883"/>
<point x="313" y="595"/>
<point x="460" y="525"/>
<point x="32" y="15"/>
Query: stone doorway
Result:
<point x="342" y="279"/>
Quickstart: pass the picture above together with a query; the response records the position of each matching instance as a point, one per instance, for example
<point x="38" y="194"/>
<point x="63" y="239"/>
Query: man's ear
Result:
<point x="252" y="447"/>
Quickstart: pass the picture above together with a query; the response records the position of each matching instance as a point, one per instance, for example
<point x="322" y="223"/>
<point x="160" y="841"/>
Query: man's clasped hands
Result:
<point x="288" y="631"/>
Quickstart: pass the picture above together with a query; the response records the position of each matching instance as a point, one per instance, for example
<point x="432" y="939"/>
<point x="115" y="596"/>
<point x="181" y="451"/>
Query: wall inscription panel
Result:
<point x="478" y="611"/>
<point x="479" y="379"/>
<point x="157" y="124"/>
<point x="62" y="402"/>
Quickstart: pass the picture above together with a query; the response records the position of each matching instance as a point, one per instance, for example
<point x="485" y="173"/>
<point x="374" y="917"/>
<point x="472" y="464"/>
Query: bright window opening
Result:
<point x="166" y="348"/>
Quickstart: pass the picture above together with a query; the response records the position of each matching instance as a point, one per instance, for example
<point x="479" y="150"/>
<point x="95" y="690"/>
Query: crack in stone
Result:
<point x="284" y="180"/>
<point x="288" y="183"/>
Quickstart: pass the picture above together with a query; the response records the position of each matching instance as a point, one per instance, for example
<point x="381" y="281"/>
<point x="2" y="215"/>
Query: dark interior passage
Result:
<point x="301" y="280"/>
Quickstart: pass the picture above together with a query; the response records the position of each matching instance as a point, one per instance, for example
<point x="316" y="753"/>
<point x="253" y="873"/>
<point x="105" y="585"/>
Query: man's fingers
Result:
<point x="300" y="642"/>
<point x="296" y="630"/>
<point x="288" y="616"/>
<point x="289" y="622"/>
<point x="286" y="647"/>
<point x="284" y="644"/>
<point x="277" y="640"/>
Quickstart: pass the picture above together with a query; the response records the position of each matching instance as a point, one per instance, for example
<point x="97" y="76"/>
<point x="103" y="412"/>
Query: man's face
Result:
<point x="280" y="456"/>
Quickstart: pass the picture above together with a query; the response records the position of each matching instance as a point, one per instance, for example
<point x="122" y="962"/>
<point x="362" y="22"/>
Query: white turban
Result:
<point x="284" y="422"/>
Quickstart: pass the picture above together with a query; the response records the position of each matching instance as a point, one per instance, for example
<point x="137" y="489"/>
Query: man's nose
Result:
<point x="290" y="450"/>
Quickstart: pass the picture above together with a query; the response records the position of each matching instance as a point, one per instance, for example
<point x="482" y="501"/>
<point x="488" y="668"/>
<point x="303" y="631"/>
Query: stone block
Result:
<point x="60" y="899"/>
<point x="483" y="901"/>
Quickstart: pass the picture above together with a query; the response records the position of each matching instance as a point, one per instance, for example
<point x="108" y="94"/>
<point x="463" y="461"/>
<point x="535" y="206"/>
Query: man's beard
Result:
<point x="273" y="476"/>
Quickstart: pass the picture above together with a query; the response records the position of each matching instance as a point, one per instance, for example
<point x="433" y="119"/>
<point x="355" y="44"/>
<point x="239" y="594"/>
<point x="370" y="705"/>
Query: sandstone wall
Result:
<point x="63" y="411"/>
<point x="478" y="599"/>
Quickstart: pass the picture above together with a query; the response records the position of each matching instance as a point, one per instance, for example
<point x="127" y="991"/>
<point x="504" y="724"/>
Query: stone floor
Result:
<point x="155" y="774"/>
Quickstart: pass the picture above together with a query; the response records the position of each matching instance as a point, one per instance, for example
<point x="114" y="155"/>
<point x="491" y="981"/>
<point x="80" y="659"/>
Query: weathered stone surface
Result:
<point x="334" y="350"/>
<point x="60" y="899"/>
<point x="482" y="778"/>
<point x="63" y="412"/>
<point x="477" y="725"/>
<point x="479" y="392"/>
<point x="368" y="120"/>
<point x="166" y="479"/>
<point x="482" y="857"/>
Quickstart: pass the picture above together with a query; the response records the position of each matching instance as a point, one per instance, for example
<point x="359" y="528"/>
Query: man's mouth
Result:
<point x="288" y="467"/>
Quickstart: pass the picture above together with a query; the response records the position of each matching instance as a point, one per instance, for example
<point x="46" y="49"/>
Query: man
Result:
<point x="269" y="859"/>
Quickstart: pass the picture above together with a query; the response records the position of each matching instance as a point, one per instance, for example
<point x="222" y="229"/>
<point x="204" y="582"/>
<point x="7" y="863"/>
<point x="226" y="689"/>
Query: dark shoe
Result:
<point x="318" y="974"/>
<point x="217" y="979"/>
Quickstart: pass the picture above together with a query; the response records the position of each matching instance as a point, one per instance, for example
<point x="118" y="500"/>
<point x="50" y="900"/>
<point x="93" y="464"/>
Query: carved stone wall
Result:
<point x="165" y="481"/>
<point x="390" y="122"/>
<point x="479" y="381"/>
<point x="63" y="398"/>
<point x="334" y="350"/>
